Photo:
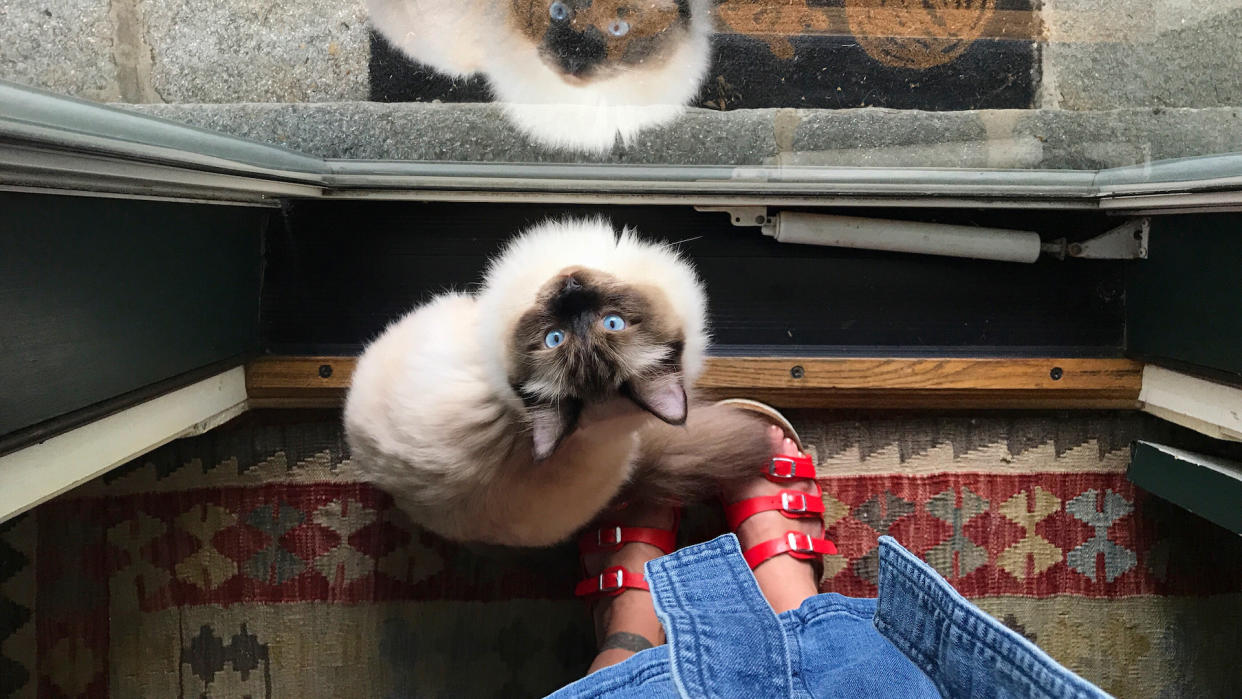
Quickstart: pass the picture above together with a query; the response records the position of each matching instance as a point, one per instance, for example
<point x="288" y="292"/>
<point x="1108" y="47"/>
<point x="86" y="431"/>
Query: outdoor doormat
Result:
<point x="831" y="54"/>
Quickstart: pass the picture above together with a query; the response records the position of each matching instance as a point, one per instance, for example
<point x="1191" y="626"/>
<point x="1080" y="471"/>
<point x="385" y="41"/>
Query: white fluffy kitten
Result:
<point x="572" y="74"/>
<point x="515" y="415"/>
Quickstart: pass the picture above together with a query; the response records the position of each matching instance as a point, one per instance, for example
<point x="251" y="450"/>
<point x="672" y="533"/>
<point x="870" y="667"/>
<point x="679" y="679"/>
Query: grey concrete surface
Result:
<point x="466" y="132"/>
<point x="1116" y="138"/>
<point x="255" y="51"/>
<point x="1044" y="139"/>
<point x="188" y="51"/>
<point x="1106" y="54"/>
<point x="61" y="45"/>
<point x="887" y="138"/>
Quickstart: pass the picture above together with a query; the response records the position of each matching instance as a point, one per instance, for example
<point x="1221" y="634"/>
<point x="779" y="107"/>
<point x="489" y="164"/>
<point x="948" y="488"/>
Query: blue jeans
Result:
<point x="919" y="638"/>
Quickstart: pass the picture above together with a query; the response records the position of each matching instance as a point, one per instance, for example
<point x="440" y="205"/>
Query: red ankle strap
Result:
<point x="785" y="468"/>
<point x="791" y="503"/>
<point x="796" y="544"/>
<point x="610" y="583"/>
<point x="611" y="538"/>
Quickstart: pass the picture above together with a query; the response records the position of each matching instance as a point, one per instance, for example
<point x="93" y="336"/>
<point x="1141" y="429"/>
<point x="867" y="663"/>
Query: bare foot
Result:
<point x="627" y="623"/>
<point x="784" y="580"/>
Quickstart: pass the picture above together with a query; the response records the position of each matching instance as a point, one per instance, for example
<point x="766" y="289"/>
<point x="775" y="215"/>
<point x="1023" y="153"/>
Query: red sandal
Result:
<point x="794" y="504"/>
<point x="614" y="580"/>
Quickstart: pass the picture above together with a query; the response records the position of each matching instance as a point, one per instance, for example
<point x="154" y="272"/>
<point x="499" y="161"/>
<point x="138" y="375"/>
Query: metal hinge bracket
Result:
<point x="1125" y="242"/>
<point x="743" y="215"/>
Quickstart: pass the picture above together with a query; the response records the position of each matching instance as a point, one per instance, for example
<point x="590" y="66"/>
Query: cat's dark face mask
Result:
<point x="590" y="338"/>
<point x="585" y="40"/>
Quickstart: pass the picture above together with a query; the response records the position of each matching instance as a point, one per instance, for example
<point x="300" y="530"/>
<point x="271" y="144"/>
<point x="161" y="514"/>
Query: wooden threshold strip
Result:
<point x="854" y="383"/>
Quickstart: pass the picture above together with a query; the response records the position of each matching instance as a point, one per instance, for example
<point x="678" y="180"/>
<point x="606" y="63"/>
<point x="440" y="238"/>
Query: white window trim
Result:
<point x="42" y="471"/>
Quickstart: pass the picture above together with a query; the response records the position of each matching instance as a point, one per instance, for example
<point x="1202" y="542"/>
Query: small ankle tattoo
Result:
<point x="625" y="640"/>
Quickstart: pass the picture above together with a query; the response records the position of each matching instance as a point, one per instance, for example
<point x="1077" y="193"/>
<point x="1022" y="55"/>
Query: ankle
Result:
<point x="629" y="612"/>
<point x="625" y="625"/>
<point x="786" y="582"/>
<point x="632" y="556"/>
<point x="609" y="657"/>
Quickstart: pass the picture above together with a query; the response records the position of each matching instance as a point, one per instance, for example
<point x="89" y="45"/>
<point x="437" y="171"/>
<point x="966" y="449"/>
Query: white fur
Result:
<point x="474" y="36"/>
<point x="447" y="36"/>
<point x="431" y="417"/>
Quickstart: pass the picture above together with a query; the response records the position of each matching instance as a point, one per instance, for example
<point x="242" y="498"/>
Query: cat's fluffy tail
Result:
<point x="718" y="446"/>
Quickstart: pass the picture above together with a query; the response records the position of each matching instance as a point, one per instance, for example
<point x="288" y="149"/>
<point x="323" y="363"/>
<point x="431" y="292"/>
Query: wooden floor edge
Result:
<point x="806" y="382"/>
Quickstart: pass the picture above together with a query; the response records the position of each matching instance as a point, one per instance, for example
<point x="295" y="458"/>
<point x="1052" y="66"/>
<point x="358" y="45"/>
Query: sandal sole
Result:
<point x="769" y="412"/>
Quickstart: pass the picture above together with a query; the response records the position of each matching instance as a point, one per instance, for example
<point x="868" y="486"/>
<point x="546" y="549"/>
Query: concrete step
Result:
<point x="1039" y="139"/>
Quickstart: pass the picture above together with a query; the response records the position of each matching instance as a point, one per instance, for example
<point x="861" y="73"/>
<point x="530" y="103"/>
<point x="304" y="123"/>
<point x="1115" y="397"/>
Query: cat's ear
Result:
<point x="551" y="423"/>
<point x="662" y="395"/>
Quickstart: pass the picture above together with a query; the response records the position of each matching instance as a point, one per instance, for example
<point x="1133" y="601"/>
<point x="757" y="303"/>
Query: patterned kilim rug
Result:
<point x="246" y="563"/>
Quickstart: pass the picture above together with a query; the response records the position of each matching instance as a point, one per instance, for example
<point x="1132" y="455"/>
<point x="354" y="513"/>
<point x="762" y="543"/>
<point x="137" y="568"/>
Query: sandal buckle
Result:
<point x="616" y="583"/>
<point x="796" y="545"/>
<point x="614" y="541"/>
<point x="791" y="467"/>
<point x="793" y="501"/>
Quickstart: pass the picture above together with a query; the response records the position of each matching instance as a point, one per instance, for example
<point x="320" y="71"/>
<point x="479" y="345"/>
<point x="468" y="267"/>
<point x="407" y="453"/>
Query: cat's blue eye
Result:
<point x="553" y="339"/>
<point x="559" y="11"/>
<point x="619" y="28"/>
<point x="613" y="322"/>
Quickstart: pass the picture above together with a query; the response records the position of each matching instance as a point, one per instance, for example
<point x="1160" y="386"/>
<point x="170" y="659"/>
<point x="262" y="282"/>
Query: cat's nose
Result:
<point x="577" y="52"/>
<point x="571" y="285"/>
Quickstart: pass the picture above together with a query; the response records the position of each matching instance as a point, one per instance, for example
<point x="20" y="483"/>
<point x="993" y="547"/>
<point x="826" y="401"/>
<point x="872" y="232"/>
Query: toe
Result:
<point x="777" y="438"/>
<point x="789" y="448"/>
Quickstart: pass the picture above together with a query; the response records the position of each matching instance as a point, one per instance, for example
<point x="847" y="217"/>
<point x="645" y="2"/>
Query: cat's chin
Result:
<point x="575" y="80"/>
<point x="619" y="407"/>
<point x="588" y="128"/>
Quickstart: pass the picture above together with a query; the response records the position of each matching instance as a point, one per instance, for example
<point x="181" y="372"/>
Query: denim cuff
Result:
<point x="964" y="651"/>
<point x="725" y="640"/>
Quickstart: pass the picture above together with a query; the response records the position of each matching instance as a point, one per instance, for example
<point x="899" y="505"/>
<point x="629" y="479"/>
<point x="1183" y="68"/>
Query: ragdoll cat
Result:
<point x="570" y="73"/>
<point x="515" y="415"/>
